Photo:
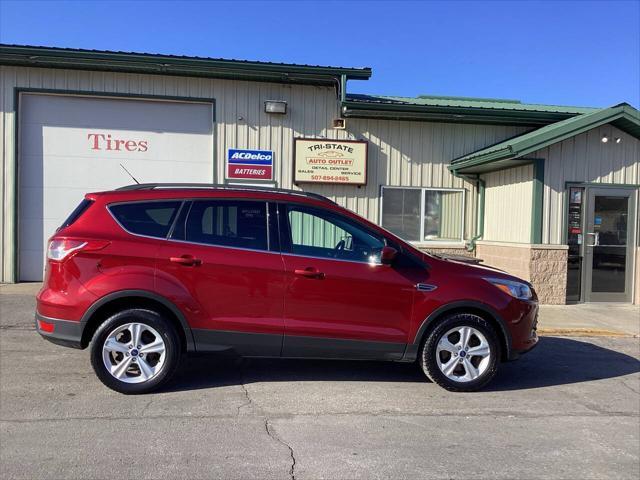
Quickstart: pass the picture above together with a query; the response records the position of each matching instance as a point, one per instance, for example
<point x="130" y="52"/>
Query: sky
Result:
<point x="584" y="53"/>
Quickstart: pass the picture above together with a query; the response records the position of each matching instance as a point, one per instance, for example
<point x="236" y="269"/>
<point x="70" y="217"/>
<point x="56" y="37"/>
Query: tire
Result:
<point x="466" y="372"/>
<point x="143" y="370"/>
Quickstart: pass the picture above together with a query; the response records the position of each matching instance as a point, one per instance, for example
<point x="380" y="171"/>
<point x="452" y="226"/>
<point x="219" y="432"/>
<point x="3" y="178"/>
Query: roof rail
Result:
<point x="214" y="186"/>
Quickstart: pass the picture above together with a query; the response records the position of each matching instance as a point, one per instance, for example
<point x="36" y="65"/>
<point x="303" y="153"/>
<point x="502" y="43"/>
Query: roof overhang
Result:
<point x="75" y="59"/>
<point x="513" y="152"/>
<point x="456" y="110"/>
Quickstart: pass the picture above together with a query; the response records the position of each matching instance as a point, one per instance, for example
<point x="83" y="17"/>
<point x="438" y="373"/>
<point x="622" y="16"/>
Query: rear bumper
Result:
<point x="67" y="333"/>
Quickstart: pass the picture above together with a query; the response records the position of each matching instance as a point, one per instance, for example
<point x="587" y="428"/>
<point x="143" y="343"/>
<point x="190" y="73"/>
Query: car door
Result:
<point x="340" y="301"/>
<point x="225" y="254"/>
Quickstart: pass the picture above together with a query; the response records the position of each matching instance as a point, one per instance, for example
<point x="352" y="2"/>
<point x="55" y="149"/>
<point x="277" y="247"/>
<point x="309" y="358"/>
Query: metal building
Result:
<point x="548" y="193"/>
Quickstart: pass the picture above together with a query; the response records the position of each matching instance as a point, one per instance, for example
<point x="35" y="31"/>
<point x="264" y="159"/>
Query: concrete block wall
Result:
<point x="545" y="266"/>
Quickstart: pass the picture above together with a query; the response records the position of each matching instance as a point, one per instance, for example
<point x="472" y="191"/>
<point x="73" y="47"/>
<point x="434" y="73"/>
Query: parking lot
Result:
<point x="569" y="409"/>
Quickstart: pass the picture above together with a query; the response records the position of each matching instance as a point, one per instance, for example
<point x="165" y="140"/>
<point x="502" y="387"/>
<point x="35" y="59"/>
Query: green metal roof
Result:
<point x="501" y="155"/>
<point x="466" y="102"/>
<point x="70" y="58"/>
<point x="456" y="110"/>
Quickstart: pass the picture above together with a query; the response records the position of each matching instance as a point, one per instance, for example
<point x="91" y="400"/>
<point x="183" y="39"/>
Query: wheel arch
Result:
<point x="117" y="301"/>
<point x="480" y="309"/>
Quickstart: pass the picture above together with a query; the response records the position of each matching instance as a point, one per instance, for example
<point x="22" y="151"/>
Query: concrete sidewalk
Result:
<point x="585" y="319"/>
<point x="590" y="319"/>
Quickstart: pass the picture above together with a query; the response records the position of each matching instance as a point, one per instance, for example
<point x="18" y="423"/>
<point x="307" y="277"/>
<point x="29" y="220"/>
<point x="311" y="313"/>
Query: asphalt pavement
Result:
<point x="569" y="409"/>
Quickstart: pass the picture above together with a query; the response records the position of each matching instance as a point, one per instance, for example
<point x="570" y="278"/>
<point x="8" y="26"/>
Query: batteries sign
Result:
<point x="249" y="164"/>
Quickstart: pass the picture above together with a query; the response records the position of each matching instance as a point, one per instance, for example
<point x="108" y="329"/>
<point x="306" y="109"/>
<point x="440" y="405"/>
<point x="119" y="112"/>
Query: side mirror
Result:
<point x="388" y="255"/>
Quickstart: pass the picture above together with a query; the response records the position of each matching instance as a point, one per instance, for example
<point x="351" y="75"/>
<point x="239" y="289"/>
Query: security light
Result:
<point x="275" y="106"/>
<point x="605" y="139"/>
<point x="618" y="140"/>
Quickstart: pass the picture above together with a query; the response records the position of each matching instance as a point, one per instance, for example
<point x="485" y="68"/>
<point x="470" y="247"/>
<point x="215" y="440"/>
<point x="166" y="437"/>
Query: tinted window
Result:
<point x="153" y="219"/>
<point x="318" y="233"/>
<point x="77" y="212"/>
<point x="228" y="223"/>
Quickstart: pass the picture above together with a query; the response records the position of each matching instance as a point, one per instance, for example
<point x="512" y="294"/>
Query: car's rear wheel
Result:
<point x="461" y="354"/>
<point x="135" y="351"/>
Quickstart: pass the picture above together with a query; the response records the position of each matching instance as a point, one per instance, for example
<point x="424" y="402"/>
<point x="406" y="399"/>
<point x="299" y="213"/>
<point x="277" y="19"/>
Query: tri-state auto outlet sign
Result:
<point x="249" y="164"/>
<point x="330" y="161"/>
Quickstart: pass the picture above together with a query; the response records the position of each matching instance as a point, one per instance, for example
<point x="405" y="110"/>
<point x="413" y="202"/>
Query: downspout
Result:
<point x="471" y="246"/>
<point x="480" y="184"/>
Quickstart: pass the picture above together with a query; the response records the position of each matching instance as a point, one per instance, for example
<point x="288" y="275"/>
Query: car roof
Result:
<point x="174" y="190"/>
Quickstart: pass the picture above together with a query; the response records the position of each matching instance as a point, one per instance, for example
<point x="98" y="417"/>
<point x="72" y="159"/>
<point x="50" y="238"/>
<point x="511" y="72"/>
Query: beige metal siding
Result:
<point x="508" y="205"/>
<point x="584" y="158"/>
<point x="403" y="153"/>
<point x="400" y="153"/>
<point x="240" y="120"/>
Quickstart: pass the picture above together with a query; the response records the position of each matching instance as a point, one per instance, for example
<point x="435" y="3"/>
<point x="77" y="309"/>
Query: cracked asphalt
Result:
<point x="569" y="409"/>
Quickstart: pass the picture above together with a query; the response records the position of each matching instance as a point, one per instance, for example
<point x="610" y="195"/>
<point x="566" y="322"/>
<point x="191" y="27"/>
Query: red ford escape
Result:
<point x="149" y="272"/>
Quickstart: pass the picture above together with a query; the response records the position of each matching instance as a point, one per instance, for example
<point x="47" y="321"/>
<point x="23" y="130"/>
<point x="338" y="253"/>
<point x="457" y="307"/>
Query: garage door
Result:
<point x="71" y="145"/>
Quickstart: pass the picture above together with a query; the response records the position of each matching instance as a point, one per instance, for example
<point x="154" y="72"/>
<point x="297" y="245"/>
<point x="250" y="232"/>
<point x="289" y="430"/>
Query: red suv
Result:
<point x="148" y="272"/>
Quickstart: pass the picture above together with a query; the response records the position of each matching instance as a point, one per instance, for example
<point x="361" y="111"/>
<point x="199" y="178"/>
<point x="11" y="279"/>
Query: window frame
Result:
<point x="422" y="213"/>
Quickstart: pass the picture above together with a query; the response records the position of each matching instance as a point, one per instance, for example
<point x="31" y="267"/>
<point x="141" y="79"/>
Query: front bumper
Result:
<point x="67" y="333"/>
<point x="525" y="331"/>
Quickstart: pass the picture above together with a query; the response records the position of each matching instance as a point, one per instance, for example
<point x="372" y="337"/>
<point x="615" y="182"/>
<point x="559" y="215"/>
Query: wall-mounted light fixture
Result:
<point x="275" y="106"/>
<point x="339" y="123"/>
<point x="618" y="140"/>
<point x="605" y="139"/>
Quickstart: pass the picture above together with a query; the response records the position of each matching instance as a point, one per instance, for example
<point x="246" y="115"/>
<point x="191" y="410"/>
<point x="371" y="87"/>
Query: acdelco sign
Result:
<point x="249" y="164"/>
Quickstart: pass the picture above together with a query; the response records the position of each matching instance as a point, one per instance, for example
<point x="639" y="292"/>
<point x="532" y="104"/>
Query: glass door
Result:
<point x="609" y="245"/>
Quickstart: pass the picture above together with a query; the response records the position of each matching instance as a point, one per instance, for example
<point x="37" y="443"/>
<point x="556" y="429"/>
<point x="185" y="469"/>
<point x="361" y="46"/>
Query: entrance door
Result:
<point x="609" y="242"/>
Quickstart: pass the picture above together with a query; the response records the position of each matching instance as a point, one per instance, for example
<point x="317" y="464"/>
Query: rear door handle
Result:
<point x="309" y="272"/>
<point x="186" y="260"/>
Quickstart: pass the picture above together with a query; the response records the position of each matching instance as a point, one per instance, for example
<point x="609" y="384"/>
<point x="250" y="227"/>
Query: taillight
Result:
<point x="61" y="248"/>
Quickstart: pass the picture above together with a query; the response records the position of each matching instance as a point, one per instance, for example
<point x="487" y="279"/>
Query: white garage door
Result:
<point x="71" y="145"/>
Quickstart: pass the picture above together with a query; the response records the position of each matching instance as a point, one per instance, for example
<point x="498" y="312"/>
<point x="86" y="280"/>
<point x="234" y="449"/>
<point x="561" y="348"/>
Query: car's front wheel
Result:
<point x="135" y="351"/>
<point x="461" y="354"/>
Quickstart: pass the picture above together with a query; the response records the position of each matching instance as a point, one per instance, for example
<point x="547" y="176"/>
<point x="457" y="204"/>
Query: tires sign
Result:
<point x="249" y="164"/>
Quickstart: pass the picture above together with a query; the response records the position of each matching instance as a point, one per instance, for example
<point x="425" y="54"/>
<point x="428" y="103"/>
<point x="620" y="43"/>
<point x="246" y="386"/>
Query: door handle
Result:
<point x="596" y="239"/>
<point x="309" y="272"/>
<point x="186" y="260"/>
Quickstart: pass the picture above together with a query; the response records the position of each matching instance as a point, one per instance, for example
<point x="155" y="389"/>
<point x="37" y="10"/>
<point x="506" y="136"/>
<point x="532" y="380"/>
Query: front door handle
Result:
<point x="309" y="272"/>
<point x="596" y="239"/>
<point x="186" y="260"/>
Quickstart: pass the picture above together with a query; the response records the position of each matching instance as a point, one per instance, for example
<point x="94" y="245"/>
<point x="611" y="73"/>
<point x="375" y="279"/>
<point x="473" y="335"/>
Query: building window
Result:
<point x="424" y="214"/>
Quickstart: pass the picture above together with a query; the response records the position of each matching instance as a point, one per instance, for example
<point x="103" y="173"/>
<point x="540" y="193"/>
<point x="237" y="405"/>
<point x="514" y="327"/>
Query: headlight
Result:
<point x="515" y="289"/>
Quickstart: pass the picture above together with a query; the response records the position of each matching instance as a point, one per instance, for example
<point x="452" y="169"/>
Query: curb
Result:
<point x="582" y="332"/>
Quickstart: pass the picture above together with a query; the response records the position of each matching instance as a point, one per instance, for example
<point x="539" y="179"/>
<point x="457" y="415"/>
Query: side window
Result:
<point x="152" y="219"/>
<point x="228" y="223"/>
<point x="317" y="233"/>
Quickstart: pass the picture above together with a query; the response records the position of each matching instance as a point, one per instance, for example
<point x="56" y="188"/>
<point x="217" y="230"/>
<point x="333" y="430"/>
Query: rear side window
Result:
<point x="152" y="219"/>
<point x="228" y="223"/>
<point x="77" y="212"/>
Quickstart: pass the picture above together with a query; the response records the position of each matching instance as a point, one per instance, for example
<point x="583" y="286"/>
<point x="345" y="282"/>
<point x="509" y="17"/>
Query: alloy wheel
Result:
<point x="134" y="353"/>
<point x="463" y="354"/>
